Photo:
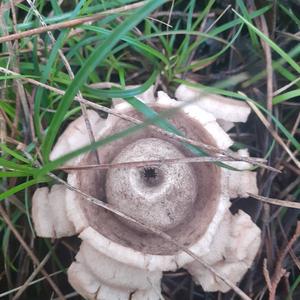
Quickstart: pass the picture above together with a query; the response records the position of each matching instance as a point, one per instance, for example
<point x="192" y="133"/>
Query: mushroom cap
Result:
<point x="186" y="201"/>
<point x="189" y="202"/>
<point x="125" y="241"/>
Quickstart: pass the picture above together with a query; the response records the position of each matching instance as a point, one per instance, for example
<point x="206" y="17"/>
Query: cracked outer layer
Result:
<point x="189" y="202"/>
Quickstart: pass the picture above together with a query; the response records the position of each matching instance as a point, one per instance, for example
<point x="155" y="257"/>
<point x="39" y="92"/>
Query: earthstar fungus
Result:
<point x="188" y="201"/>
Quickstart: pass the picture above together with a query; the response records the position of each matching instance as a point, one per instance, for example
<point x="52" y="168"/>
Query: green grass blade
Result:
<point x="291" y="14"/>
<point x="277" y="66"/>
<point x="212" y="58"/>
<point x="245" y="12"/>
<point x="182" y="51"/>
<point x="22" y="186"/>
<point x="286" y="96"/>
<point x="131" y="41"/>
<point x="273" y="45"/>
<point x="14" y="154"/>
<point x="13" y="174"/>
<point x="15" y="166"/>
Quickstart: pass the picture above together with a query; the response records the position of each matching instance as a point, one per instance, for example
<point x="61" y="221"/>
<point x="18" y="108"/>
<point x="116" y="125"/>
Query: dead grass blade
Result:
<point x="268" y="58"/>
<point x="275" y="135"/>
<point x="283" y="203"/>
<point x="31" y="283"/>
<point x="287" y="86"/>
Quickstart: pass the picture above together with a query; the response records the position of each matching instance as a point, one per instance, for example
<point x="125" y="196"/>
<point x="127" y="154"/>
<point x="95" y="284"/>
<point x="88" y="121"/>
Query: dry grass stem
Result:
<point x="268" y="58"/>
<point x="31" y="283"/>
<point x="287" y="86"/>
<point x="136" y="164"/>
<point x="279" y="271"/>
<point x="283" y="203"/>
<point x="275" y="135"/>
<point x="32" y="276"/>
<point x="70" y="23"/>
